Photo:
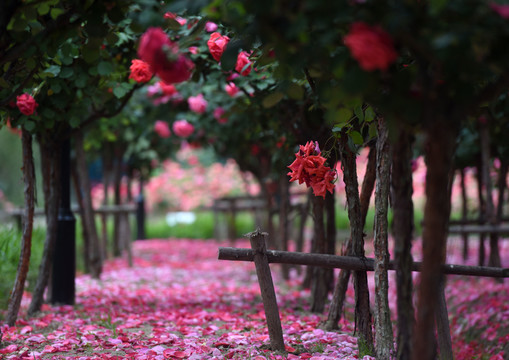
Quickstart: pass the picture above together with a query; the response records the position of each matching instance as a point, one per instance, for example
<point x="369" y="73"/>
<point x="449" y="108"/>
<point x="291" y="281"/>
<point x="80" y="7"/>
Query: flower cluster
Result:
<point x="217" y="44"/>
<point x="26" y="104"/>
<point x="140" y="71"/>
<point x="371" y="46"/>
<point x="309" y="168"/>
<point x="163" y="56"/>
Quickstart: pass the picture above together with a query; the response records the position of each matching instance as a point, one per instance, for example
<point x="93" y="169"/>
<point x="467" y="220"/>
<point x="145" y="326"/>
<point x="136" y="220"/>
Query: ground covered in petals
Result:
<point x="180" y="302"/>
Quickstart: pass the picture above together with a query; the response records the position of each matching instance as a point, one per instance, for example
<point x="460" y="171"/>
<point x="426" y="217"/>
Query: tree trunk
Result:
<point x="363" y="321"/>
<point x="87" y="211"/>
<point x="439" y="150"/>
<point x="494" y="259"/>
<point x="482" y="213"/>
<point x="338" y="298"/>
<point x="50" y="163"/>
<point x="321" y="279"/>
<point x="117" y="182"/>
<point x="402" y="229"/>
<point x="84" y="229"/>
<point x="383" y="326"/>
<point x="28" y="221"/>
<point x="284" y="209"/>
<point x="464" y="211"/>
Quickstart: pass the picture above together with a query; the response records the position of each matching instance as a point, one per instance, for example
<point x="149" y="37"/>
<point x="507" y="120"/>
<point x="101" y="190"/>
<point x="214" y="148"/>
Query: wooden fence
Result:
<point x="262" y="257"/>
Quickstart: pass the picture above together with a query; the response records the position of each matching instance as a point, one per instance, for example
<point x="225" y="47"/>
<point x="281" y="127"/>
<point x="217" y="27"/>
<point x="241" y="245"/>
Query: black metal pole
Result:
<point x="140" y="214"/>
<point x="64" y="258"/>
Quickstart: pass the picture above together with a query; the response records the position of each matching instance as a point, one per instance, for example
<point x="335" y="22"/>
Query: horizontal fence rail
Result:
<point x="349" y="262"/>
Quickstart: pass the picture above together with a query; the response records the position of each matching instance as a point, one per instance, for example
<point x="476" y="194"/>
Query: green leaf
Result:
<point x="43" y="8"/>
<point x="66" y="73"/>
<point x="56" y="12"/>
<point x="54" y="70"/>
<point x="356" y="137"/>
<point x="359" y="113"/>
<point x="119" y="91"/>
<point x="272" y="99"/>
<point x="344" y="115"/>
<point x="104" y="68"/>
<point x="229" y="57"/>
<point x="29" y="125"/>
<point x="369" y="114"/>
<point x="74" y="121"/>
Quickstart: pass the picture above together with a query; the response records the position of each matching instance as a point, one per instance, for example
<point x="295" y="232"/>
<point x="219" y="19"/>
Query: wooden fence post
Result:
<point x="257" y="239"/>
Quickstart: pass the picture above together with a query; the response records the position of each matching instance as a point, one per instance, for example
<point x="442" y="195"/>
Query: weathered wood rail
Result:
<point x="349" y="262"/>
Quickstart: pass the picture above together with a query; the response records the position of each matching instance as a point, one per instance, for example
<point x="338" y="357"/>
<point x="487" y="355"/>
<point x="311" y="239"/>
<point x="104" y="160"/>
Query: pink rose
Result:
<point x="231" y="89"/>
<point x="182" y="128"/>
<point x="197" y="104"/>
<point x="242" y="61"/>
<point x="218" y="115"/>
<point x="371" y="46"/>
<point x="26" y="104"/>
<point x="162" y="129"/>
<point x="210" y="26"/>
<point x="193" y="50"/>
<point x="217" y="43"/>
<point x="163" y="56"/>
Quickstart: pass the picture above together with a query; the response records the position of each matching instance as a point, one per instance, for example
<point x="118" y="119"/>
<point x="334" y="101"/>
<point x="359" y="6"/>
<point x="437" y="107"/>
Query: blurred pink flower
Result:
<point x="231" y="89"/>
<point x="502" y="10"/>
<point x="193" y="50"/>
<point x="162" y="129"/>
<point x="197" y="104"/>
<point x="218" y="115"/>
<point x="210" y="26"/>
<point x="243" y="63"/>
<point x="183" y="128"/>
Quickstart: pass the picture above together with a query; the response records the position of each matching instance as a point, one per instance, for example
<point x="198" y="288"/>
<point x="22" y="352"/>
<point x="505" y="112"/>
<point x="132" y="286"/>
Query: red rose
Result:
<point x="371" y="46"/>
<point x="163" y="56"/>
<point x="242" y="61"/>
<point x="176" y="72"/>
<point x="26" y="104"/>
<point x="217" y="43"/>
<point x="140" y="71"/>
<point x="167" y="89"/>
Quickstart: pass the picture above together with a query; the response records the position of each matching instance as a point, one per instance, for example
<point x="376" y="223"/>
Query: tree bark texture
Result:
<point x="117" y="200"/>
<point x="402" y="231"/>
<point x="284" y="209"/>
<point x="321" y="279"/>
<point x="338" y="298"/>
<point x="87" y="212"/>
<point x="439" y="150"/>
<point x="363" y="321"/>
<point x="383" y="326"/>
<point x="494" y="259"/>
<point x="464" y="211"/>
<point x="50" y="163"/>
<point x="28" y="221"/>
<point x="482" y="213"/>
<point x="84" y="229"/>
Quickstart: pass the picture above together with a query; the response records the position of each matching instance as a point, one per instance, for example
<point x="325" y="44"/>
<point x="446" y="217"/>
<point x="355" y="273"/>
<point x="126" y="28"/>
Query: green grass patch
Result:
<point x="10" y="248"/>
